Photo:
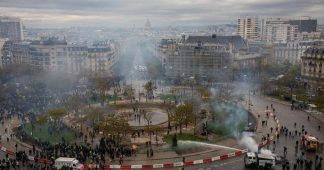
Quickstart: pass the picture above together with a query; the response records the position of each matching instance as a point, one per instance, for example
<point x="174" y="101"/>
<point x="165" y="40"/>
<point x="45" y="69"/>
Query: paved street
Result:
<point x="287" y="118"/>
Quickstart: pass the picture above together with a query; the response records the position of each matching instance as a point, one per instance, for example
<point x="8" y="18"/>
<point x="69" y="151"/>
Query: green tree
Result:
<point x="183" y="114"/>
<point x="205" y="94"/>
<point x="74" y="104"/>
<point x="115" y="126"/>
<point x="94" y="115"/>
<point x="148" y="117"/>
<point x="102" y="85"/>
<point x="149" y="88"/>
<point x="56" y="115"/>
<point x="129" y="92"/>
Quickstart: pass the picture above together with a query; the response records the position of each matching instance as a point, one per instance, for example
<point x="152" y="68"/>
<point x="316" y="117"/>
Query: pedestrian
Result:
<point x="308" y="118"/>
<point x="295" y="124"/>
<point x="151" y="151"/>
<point x="319" y="127"/>
<point x="271" y="129"/>
<point x="283" y="166"/>
<point x="120" y="160"/>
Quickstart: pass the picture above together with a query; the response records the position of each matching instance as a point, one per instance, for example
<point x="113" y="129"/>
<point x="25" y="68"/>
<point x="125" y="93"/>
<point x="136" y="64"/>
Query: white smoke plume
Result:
<point x="247" y="141"/>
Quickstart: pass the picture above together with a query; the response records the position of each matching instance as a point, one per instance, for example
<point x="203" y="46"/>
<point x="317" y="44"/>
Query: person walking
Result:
<point x="285" y="151"/>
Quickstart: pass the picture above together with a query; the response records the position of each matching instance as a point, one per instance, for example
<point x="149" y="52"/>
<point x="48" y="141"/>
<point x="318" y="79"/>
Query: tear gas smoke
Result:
<point x="247" y="141"/>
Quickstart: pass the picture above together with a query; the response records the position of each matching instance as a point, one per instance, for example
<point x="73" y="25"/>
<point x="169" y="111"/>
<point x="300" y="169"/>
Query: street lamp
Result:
<point x="192" y="78"/>
<point x="249" y="109"/>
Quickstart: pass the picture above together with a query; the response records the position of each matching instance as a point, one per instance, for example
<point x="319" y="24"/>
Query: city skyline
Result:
<point x="126" y="13"/>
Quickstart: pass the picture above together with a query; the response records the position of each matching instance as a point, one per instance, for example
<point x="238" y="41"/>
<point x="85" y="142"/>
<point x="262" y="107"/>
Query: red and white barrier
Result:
<point x="168" y="165"/>
<point x="274" y="135"/>
<point x="144" y="166"/>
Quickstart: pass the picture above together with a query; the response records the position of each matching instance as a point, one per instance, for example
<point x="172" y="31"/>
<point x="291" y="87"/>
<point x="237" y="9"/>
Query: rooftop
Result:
<point x="237" y="41"/>
<point x="49" y="41"/>
<point x="319" y="50"/>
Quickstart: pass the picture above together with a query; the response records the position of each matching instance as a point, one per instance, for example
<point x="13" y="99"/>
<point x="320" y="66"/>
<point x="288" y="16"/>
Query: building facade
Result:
<point x="6" y="53"/>
<point x="312" y="67"/>
<point x="305" y="24"/>
<point x="49" y="54"/>
<point x="2" y="42"/>
<point x="11" y="28"/>
<point x="248" y="28"/>
<point x="278" y="30"/>
<point x="77" y="58"/>
<point x="55" y="55"/>
<point x="203" y="56"/>
<point x="292" y="52"/>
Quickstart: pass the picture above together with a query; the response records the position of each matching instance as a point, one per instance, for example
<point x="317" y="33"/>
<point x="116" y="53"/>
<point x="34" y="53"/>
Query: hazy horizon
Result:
<point x="127" y="13"/>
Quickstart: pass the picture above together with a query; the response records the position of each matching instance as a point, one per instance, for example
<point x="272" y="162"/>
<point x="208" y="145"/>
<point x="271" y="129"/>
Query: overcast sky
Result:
<point x="126" y="13"/>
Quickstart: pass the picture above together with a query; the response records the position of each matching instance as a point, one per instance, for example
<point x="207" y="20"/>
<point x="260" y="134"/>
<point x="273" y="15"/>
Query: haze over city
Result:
<point x="125" y="13"/>
<point x="161" y="84"/>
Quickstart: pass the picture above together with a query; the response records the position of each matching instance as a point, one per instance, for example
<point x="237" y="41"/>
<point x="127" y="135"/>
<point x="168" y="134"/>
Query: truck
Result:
<point x="68" y="162"/>
<point x="309" y="143"/>
<point x="256" y="160"/>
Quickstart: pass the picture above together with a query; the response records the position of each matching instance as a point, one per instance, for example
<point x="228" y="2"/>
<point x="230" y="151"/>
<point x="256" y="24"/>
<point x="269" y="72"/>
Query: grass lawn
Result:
<point x="168" y="97"/>
<point x="184" y="136"/>
<point x="40" y="132"/>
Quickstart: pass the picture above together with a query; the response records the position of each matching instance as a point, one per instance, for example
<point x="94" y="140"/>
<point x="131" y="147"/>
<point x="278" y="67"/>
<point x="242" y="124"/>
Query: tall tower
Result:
<point x="248" y="28"/>
<point x="11" y="28"/>
<point x="147" y="25"/>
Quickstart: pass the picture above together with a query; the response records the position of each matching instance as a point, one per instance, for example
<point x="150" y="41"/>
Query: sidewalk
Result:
<point x="158" y="158"/>
<point x="265" y="130"/>
<point x="319" y="117"/>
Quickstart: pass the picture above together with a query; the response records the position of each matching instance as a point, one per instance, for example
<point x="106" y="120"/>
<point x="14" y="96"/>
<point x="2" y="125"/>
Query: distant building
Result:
<point x="101" y="58"/>
<point x="318" y="35"/>
<point x="2" y="42"/>
<point x="147" y="26"/>
<point x="278" y="30"/>
<point x="77" y="58"/>
<point x="292" y="52"/>
<point x="21" y="53"/>
<point x="203" y="56"/>
<point x="11" y="28"/>
<point x="6" y="53"/>
<point x="49" y="54"/>
<point x="248" y="28"/>
<point x="55" y="55"/>
<point x="312" y="67"/>
<point x="305" y="24"/>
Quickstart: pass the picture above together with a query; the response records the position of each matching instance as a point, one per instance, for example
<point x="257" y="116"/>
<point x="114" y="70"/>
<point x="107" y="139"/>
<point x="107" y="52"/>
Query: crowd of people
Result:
<point x="294" y="135"/>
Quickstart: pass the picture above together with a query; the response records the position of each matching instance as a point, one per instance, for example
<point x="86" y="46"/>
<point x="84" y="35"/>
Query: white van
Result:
<point x="259" y="160"/>
<point x="68" y="162"/>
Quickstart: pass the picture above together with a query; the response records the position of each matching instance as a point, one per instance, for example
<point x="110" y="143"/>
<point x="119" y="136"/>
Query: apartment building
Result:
<point x="11" y="28"/>
<point x="278" y="30"/>
<point x="248" y="28"/>
<point x="203" y="56"/>
<point x="312" y="67"/>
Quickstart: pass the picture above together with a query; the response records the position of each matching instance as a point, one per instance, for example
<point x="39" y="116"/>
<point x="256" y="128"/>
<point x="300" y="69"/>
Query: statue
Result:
<point x="174" y="141"/>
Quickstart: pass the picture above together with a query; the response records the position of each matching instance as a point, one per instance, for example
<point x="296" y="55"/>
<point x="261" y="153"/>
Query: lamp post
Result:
<point x="192" y="78"/>
<point x="249" y="109"/>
